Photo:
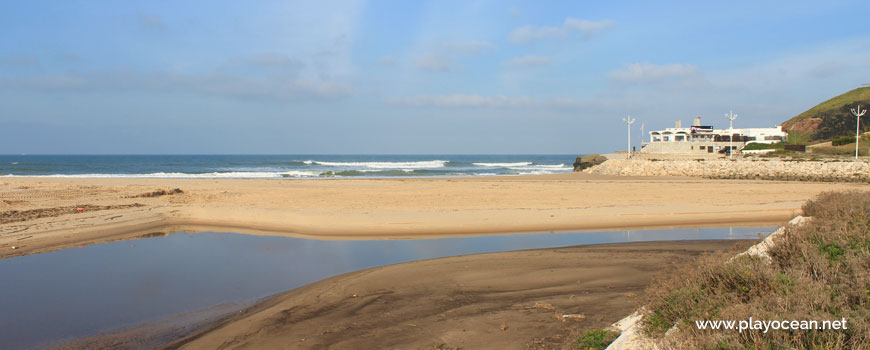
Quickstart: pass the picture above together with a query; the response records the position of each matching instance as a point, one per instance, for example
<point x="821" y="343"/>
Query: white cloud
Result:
<point x="529" y="33"/>
<point x="584" y="27"/>
<point x="528" y="61"/>
<point x="434" y="62"/>
<point x="480" y="101"/>
<point x="213" y="83"/>
<point x="468" y="47"/>
<point x="445" y="56"/>
<point x="647" y="72"/>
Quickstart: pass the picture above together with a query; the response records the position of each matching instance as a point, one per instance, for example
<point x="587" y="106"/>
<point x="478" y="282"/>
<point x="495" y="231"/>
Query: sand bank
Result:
<point x="41" y="214"/>
<point x="512" y="300"/>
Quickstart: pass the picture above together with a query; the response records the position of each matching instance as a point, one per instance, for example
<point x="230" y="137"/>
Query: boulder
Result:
<point x="588" y="161"/>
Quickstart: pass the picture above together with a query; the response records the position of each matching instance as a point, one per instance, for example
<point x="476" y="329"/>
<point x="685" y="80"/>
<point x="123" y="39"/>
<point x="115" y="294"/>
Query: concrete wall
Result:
<point x="688" y="147"/>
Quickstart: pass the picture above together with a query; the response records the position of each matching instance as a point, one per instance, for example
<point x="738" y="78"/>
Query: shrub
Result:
<point x="843" y="140"/>
<point x="818" y="271"/>
<point x="758" y="146"/>
<point x="596" y="339"/>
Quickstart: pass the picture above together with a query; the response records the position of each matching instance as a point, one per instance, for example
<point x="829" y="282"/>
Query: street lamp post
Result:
<point x="628" y="121"/>
<point x="731" y="116"/>
<point x="858" y="115"/>
<point x="641" y="135"/>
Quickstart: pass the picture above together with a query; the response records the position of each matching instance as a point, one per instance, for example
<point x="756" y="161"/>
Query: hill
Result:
<point x="832" y="118"/>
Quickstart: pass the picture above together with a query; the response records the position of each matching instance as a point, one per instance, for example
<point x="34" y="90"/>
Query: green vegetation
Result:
<point x="596" y="339"/>
<point x="796" y="137"/>
<point x="818" y="271"/>
<point x="757" y="146"/>
<point x="853" y="97"/>
<point x="790" y="155"/>
<point x="820" y="152"/>
<point x="843" y="140"/>
<point x="830" y="119"/>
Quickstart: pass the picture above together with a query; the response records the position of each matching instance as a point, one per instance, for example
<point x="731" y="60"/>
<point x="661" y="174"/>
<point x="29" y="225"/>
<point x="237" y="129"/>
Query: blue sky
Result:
<point x="409" y="76"/>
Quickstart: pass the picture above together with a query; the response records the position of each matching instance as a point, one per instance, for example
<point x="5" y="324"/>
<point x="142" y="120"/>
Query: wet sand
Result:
<point x="44" y="214"/>
<point x="511" y="300"/>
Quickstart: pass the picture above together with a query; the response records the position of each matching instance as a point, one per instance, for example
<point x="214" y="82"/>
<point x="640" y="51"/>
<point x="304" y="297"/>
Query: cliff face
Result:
<point x="832" y="118"/>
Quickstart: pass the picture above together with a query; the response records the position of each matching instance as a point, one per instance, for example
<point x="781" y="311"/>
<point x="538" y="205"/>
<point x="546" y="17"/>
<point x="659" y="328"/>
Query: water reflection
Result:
<point x="77" y="292"/>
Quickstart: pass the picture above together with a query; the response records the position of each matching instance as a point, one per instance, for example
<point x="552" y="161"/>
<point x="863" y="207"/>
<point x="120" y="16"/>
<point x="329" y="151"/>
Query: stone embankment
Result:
<point x="761" y="169"/>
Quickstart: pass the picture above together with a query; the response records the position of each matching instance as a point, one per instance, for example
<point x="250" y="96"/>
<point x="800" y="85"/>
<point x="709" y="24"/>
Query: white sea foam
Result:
<point x="298" y="173"/>
<point x="426" y="164"/>
<point x="214" y="175"/>
<point x="503" y="164"/>
<point x="543" y="167"/>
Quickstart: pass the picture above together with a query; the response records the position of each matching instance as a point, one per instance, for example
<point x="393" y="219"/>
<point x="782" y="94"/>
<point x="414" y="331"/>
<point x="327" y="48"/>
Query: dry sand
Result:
<point x="512" y="300"/>
<point x="42" y="214"/>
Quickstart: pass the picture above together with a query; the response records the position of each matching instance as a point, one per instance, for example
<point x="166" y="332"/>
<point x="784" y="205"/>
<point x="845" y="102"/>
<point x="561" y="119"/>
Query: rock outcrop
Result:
<point x="588" y="161"/>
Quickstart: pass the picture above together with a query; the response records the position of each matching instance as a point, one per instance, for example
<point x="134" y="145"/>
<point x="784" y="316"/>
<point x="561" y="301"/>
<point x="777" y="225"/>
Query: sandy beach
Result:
<point x="44" y="214"/>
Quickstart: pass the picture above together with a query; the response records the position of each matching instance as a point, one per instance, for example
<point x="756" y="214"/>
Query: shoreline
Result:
<point x="383" y="307"/>
<point x="38" y="214"/>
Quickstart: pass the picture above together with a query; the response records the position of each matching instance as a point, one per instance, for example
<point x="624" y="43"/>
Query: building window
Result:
<point x="666" y="138"/>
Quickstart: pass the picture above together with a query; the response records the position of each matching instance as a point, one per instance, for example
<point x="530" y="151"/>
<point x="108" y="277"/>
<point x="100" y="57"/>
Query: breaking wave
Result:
<point x="426" y="164"/>
<point x="542" y="167"/>
<point x="503" y="164"/>
<point x="228" y="175"/>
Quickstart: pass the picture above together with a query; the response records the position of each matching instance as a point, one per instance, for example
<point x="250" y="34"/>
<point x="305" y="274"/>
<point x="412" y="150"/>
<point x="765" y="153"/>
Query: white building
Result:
<point x="705" y="139"/>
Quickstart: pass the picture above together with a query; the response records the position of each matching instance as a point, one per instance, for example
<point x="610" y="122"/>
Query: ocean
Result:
<point x="281" y="166"/>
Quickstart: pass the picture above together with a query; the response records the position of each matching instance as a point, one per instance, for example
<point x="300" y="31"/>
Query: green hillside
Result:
<point x="832" y="118"/>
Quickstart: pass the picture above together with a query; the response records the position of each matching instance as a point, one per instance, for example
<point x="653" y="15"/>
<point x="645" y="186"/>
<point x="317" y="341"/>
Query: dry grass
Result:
<point x="818" y="271"/>
<point x="844" y="150"/>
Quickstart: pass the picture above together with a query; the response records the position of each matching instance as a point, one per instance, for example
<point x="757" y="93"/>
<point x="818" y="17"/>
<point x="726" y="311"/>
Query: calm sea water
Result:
<point x="281" y="166"/>
<point x="51" y="297"/>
